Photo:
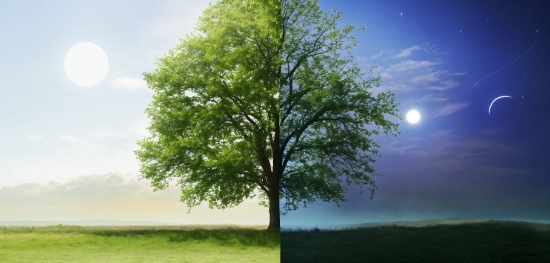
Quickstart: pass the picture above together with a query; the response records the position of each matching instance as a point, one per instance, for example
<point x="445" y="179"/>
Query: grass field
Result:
<point x="490" y="241"/>
<point x="139" y="244"/>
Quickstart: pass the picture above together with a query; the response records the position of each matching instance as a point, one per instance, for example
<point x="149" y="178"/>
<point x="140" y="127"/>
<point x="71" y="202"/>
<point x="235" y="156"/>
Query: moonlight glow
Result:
<point x="413" y="116"/>
<point x="86" y="64"/>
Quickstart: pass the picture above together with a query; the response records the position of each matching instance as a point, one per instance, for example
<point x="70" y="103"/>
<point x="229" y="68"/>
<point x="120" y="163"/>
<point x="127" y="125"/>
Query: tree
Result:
<point x="328" y="113"/>
<point x="215" y="109"/>
<point x="258" y="101"/>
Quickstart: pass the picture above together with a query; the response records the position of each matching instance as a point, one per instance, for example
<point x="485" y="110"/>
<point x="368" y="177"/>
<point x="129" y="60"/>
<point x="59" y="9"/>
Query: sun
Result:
<point x="413" y="116"/>
<point x="86" y="64"/>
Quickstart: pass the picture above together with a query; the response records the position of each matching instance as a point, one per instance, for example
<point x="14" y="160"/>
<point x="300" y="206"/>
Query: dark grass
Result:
<point x="491" y="241"/>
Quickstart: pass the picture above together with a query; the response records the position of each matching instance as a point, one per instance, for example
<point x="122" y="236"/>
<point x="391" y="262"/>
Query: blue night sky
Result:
<point x="449" y="60"/>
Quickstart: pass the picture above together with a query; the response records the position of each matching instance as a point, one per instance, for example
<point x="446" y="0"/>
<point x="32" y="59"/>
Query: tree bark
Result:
<point x="274" y="212"/>
<point x="273" y="181"/>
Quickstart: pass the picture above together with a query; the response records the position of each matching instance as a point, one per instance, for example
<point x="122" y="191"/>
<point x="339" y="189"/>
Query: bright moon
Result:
<point x="413" y="116"/>
<point x="86" y="64"/>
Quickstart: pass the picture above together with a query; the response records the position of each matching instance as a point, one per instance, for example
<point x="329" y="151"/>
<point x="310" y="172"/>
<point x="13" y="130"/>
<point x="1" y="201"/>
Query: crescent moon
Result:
<point x="495" y="100"/>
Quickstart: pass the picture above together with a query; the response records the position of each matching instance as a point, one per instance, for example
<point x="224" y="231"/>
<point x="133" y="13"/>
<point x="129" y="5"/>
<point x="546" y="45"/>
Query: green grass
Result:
<point x="491" y="241"/>
<point x="139" y="244"/>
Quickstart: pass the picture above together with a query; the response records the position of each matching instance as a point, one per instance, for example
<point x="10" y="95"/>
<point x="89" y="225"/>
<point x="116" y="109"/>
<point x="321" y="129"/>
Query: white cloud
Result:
<point x="441" y="144"/>
<point x="35" y="136"/>
<point x="450" y="109"/>
<point x="441" y="133"/>
<point x="472" y="149"/>
<point x="115" y="196"/>
<point x="429" y="77"/>
<point x="444" y="85"/>
<point x="407" y="52"/>
<point x="410" y="64"/>
<point x="127" y="83"/>
<point x="481" y="146"/>
<point x="375" y="56"/>
<point x="459" y="73"/>
<point x="432" y="97"/>
<point x="410" y="148"/>
<point x="400" y="77"/>
<point x="98" y="151"/>
<point x="414" y="76"/>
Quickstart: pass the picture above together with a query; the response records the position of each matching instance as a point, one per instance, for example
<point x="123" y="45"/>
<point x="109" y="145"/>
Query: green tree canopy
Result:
<point x="215" y="108"/>
<point x="328" y="114"/>
<point x="260" y="101"/>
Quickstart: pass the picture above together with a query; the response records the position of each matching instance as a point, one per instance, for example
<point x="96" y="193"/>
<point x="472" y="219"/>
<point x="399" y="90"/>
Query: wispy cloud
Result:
<point x="410" y="65"/>
<point x="444" y="85"/>
<point x="127" y="83"/>
<point x="478" y="147"/>
<point x="95" y="151"/>
<point x="432" y="97"/>
<point x="441" y="134"/>
<point x="409" y="148"/>
<point x="458" y="73"/>
<point x="375" y="56"/>
<point x="442" y="145"/>
<point x="429" y="77"/>
<point x="474" y="150"/>
<point x="410" y="75"/>
<point x="35" y="136"/>
<point x="407" y="52"/>
<point x="450" y="109"/>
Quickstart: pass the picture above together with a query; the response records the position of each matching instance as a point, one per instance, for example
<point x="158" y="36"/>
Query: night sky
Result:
<point x="449" y="60"/>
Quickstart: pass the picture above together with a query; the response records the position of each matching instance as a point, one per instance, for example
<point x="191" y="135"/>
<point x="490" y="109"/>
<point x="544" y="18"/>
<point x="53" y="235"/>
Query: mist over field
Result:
<point x="116" y="199"/>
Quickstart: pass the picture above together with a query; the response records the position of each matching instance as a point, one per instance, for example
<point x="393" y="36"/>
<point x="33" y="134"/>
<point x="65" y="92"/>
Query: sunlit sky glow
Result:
<point x="67" y="151"/>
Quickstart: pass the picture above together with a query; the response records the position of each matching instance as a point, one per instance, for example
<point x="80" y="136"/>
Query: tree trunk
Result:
<point x="274" y="212"/>
<point x="274" y="209"/>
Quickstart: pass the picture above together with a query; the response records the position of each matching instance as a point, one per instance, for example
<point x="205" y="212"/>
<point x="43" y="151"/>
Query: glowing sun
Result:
<point x="86" y="64"/>
<point x="413" y="116"/>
